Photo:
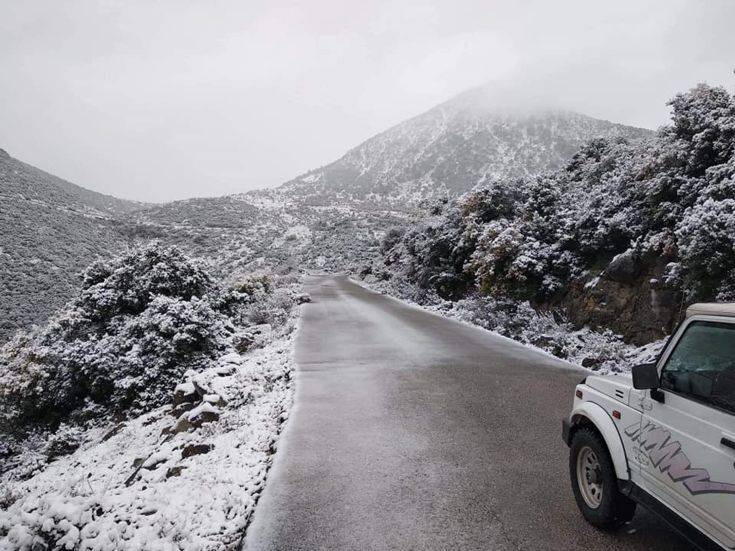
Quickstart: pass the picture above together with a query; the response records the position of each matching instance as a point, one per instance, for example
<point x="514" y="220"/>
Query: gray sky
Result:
<point x="168" y="99"/>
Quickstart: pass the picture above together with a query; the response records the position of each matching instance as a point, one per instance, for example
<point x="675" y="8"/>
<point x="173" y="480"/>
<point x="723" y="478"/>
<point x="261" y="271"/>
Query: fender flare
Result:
<point x="604" y="424"/>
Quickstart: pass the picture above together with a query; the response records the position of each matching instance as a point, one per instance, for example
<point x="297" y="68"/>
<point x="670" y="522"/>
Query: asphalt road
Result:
<point x="411" y="431"/>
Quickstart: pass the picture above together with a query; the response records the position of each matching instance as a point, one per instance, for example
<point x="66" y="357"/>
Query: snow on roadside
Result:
<point x="185" y="476"/>
<point x="601" y="352"/>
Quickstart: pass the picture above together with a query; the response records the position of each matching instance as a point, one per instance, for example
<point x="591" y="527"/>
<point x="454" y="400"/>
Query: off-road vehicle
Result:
<point x="665" y="438"/>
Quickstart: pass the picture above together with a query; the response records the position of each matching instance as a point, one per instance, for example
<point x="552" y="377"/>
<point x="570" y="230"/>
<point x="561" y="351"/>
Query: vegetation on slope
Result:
<point x="140" y="321"/>
<point x="624" y="236"/>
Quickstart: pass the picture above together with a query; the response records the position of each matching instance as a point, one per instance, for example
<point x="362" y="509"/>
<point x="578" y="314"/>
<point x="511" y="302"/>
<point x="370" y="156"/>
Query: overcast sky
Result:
<point x="159" y="100"/>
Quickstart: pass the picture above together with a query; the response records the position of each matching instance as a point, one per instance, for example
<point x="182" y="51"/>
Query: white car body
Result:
<point x="673" y="454"/>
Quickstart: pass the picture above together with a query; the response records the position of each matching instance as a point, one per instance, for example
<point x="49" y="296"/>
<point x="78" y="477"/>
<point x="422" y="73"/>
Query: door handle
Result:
<point x="728" y="443"/>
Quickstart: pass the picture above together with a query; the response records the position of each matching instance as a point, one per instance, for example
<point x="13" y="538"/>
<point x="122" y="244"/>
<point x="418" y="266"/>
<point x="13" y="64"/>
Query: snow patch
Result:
<point x="145" y="488"/>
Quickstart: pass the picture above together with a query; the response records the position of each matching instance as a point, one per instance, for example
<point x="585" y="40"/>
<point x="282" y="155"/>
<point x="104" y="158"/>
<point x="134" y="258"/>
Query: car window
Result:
<point x="703" y="364"/>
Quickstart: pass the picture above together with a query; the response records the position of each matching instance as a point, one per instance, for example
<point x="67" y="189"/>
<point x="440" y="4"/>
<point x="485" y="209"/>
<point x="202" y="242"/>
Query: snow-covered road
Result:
<point x="411" y="431"/>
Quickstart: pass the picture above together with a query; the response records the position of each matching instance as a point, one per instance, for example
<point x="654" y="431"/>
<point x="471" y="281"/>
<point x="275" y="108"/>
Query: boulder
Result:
<point x="185" y="393"/>
<point x="214" y="399"/>
<point x="192" y="420"/>
<point x="179" y="410"/>
<point x="154" y="460"/>
<point x="591" y="363"/>
<point x="195" y="449"/>
<point x="624" y="268"/>
<point x="203" y="413"/>
<point x="188" y="392"/>
<point x="302" y="298"/>
<point x="175" y="471"/>
<point x="182" y="425"/>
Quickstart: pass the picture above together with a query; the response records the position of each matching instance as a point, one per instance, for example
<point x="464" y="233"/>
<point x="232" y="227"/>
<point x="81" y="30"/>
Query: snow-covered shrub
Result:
<point x="150" y="328"/>
<point x="530" y="239"/>
<point x="139" y="322"/>
<point x="391" y="238"/>
<point x="707" y="248"/>
<point x="64" y="441"/>
<point x="254" y="284"/>
<point x="274" y="308"/>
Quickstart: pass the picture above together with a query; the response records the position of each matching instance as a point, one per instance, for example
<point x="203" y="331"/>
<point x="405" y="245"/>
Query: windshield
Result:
<point x="703" y="364"/>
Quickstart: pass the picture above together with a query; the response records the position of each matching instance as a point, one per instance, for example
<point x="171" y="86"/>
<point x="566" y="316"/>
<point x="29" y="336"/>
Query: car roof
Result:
<point x="712" y="309"/>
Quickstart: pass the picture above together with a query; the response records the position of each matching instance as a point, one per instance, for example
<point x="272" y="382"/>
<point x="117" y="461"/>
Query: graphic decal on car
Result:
<point x="666" y="454"/>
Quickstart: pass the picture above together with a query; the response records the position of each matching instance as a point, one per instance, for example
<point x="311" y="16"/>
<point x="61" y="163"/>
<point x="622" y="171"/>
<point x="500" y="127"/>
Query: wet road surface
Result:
<point x="411" y="431"/>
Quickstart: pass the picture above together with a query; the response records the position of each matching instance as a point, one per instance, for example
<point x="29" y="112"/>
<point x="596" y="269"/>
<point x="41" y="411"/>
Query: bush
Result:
<point x="273" y="309"/>
<point x="139" y="322"/>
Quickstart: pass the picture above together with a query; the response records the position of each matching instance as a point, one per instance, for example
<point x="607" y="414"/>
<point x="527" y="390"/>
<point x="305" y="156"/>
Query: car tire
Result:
<point x="595" y="483"/>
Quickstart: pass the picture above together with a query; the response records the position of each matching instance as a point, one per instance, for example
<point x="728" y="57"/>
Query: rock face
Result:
<point x="628" y="296"/>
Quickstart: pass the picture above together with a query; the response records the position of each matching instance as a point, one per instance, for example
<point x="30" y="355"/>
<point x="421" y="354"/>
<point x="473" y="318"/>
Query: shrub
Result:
<point x="138" y="323"/>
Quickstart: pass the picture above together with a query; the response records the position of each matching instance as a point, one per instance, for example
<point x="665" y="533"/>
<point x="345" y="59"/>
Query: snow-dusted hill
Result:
<point x="449" y="149"/>
<point x="49" y="230"/>
<point x="239" y="233"/>
<point x="52" y="229"/>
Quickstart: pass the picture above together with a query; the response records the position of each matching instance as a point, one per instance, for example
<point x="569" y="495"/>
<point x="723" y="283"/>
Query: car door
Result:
<point x="687" y="435"/>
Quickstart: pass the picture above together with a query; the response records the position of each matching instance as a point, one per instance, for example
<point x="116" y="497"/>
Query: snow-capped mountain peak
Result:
<point x="451" y="148"/>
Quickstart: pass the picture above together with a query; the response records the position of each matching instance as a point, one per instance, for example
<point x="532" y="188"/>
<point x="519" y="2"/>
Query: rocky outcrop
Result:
<point x="195" y="449"/>
<point x="629" y="297"/>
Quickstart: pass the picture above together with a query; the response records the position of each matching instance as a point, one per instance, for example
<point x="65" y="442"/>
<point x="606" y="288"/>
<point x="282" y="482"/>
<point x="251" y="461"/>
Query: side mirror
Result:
<point x="645" y="377"/>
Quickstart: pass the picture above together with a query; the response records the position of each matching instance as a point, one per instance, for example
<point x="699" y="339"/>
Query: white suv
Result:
<point x="666" y="438"/>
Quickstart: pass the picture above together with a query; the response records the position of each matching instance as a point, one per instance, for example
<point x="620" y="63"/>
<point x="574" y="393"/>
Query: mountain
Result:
<point x="449" y="149"/>
<point x="50" y="230"/>
<point x="332" y="218"/>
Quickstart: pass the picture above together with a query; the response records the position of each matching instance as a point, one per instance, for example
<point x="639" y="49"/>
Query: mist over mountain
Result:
<point x="476" y="137"/>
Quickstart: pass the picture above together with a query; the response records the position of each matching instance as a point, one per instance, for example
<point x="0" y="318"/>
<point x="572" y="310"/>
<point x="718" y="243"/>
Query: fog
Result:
<point x="173" y="99"/>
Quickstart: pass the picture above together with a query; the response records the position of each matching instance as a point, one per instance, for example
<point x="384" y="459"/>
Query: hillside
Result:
<point x="624" y="237"/>
<point x="50" y="229"/>
<point x="332" y="218"/>
<point x="446" y="151"/>
<point x="238" y="233"/>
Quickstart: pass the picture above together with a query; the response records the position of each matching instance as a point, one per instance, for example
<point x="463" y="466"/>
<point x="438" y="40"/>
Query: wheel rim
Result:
<point x="589" y="477"/>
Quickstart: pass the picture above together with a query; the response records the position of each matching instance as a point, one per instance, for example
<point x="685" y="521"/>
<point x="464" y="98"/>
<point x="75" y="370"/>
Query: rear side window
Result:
<point x="702" y="365"/>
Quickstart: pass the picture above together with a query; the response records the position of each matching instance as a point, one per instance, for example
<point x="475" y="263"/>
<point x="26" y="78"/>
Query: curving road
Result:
<point x="411" y="431"/>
